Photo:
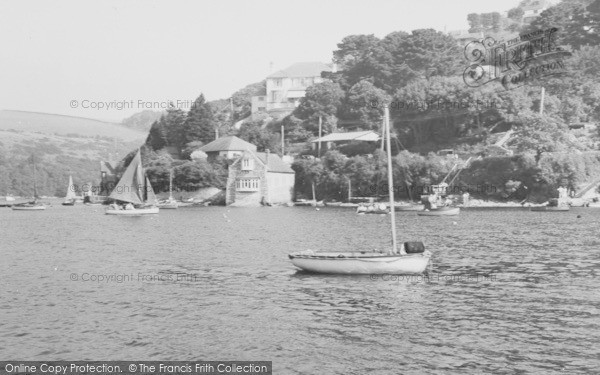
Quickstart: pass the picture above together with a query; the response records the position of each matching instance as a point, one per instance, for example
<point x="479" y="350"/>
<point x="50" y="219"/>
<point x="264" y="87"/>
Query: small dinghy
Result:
<point x="440" y="211"/>
<point x="407" y="259"/>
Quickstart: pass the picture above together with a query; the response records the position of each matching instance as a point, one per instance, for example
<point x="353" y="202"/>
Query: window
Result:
<point x="247" y="184"/>
<point x="247" y="164"/>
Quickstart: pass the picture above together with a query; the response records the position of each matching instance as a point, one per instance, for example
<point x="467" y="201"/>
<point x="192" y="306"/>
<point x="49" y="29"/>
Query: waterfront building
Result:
<point x="259" y="178"/>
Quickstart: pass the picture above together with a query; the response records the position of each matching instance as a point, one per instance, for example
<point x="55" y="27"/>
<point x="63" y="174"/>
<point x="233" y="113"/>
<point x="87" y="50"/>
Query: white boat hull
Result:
<point x="453" y="211"/>
<point x="134" y="212"/>
<point x="28" y="208"/>
<point x="361" y="264"/>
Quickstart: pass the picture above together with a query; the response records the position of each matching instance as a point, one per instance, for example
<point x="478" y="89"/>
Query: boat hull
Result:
<point x="452" y="211"/>
<point x="550" y="209"/>
<point x="28" y="208"/>
<point x="134" y="212"/>
<point x="406" y="207"/>
<point x="353" y="264"/>
<point x="168" y="206"/>
<point x="72" y="203"/>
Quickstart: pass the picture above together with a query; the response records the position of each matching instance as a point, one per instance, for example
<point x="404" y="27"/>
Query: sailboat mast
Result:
<point x="171" y="184"/>
<point x="35" y="195"/>
<point x="386" y="115"/>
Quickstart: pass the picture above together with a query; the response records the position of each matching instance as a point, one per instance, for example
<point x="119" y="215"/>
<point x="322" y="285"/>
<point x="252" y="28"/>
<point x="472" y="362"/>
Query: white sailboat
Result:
<point x="34" y="205"/>
<point x="71" y="196"/>
<point x="409" y="258"/>
<point x="170" y="203"/>
<point x="133" y="188"/>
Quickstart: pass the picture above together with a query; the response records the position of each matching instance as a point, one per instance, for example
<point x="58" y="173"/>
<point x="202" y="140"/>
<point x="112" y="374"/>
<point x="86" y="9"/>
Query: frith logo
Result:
<point x="515" y="62"/>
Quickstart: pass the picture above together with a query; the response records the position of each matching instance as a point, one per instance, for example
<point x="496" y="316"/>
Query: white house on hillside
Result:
<point x="286" y="87"/>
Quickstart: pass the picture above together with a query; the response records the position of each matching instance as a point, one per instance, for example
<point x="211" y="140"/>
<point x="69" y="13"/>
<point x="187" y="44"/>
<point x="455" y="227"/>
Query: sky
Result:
<point x="110" y="59"/>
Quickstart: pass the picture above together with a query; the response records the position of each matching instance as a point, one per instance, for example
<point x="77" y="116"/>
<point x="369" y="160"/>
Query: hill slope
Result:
<point x="66" y="125"/>
<point x="62" y="146"/>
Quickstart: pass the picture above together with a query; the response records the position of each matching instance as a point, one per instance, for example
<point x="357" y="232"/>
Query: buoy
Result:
<point x="579" y="216"/>
<point x="454" y="222"/>
<point x="317" y="209"/>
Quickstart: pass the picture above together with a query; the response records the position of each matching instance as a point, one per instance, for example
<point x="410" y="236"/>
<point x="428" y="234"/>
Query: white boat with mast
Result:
<point x="170" y="203"/>
<point x="33" y="205"/>
<point x="408" y="258"/>
<point x="133" y="188"/>
<point x="71" y="196"/>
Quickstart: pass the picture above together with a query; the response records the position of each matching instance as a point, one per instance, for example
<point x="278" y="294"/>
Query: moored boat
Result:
<point x="409" y="207"/>
<point x="134" y="189"/>
<point x="33" y="205"/>
<point x="30" y="206"/>
<point x="440" y="211"/>
<point x="361" y="263"/>
<point x="409" y="258"/>
<point x="554" y="205"/>
<point x="71" y="197"/>
<point x="376" y="208"/>
<point x="170" y="203"/>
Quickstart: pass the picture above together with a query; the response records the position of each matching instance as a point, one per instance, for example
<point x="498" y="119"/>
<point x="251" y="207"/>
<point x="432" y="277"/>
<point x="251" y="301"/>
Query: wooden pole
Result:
<point x="282" y="141"/>
<point x="382" y="133"/>
<point x="542" y="102"/>
<point x="320" y="125"/>
<point x="313" y="191"/>
<point x="394" y="249"/>
<point x="349" y="189"/>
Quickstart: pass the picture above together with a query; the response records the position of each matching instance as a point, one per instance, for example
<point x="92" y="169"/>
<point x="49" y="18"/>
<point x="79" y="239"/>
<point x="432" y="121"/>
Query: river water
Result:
<point x="510" y="291"/>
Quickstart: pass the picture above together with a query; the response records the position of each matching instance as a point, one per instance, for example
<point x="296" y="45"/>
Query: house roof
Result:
<point x="229" y="143"/>
<point x="367" y="135"/>
<point x="275" y="163"/>
<point x="302" y="69"/>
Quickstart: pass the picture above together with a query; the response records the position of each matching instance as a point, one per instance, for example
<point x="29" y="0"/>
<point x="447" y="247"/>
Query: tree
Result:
<point x="242" y="99"/>
<point x="516" y="14"/>
<point x="199" y="124"/>
<point x="157" y="136"/>
<point x="355" y="56"/>
<point x="474" y="22"/>
<point x="174" y="126"/>
<point x="253" y="132"/>
<point x="578" y="23"/>
<point x="321" y="99"/>
<point x="364" y="102"/>
<point x="540" y="134"/>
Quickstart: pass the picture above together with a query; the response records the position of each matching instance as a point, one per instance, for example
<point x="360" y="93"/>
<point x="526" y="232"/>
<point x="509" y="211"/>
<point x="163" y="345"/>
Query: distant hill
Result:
<point x="142" y="121"/>
<point x="66" y="125"/>
<point x="62" y="146"/>
<point x="56" y="157"/>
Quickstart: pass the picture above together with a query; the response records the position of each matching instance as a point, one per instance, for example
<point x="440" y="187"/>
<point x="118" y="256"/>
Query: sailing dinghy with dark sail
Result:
<point x="135" y="190"/>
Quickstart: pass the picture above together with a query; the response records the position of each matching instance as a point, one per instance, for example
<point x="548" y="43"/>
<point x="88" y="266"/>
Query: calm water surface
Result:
<point x="510" y="291"/>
